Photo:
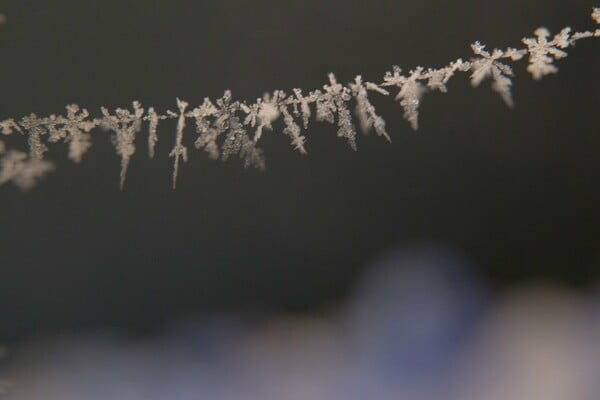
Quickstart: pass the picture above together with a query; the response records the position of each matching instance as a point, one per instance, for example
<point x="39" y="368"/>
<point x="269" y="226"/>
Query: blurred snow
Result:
<point x="419" y="326"/>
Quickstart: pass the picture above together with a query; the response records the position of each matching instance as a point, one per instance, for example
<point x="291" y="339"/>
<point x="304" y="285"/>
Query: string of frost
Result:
<point x="226" y="127"/>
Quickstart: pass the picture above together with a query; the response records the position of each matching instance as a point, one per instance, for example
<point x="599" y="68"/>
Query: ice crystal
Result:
<point x="153" y="119"/>
<point x="364" y="109"/>
<point x="261" y="115"/>
<point x="36" y="128"/>
<point x="487" y="65"/>
<point x="543" y="52"/>
<point x="73" y="129"/>
<point x="410" y="94"/>
<point x="208" y="133"/>
<point x="333" y="100"/>
<point x="179" y="150"/>
<point x="125" y="125"/>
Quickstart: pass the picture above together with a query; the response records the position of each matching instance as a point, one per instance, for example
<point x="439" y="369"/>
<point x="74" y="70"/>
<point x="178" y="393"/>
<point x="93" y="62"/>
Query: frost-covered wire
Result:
<point x="227" y="127"/>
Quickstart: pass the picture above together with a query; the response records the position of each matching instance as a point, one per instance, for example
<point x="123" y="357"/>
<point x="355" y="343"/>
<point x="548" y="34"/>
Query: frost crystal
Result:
<point x="234" y="138"/>
<point x="238" y="142"/>
<point x="543" y="52"/>
<point x="208" y="134"/>
<point x="334" y="100"/>
<point x="21" y="169"/>
<point x="410" y="94"/>
<point x="263" y="113"/>
<point x="36" y="128"/>
<point x="73" y="129"/>
<point x="153" y="119"/>
<point x="487" y="65"/>
<point x="292" y="129"/>
<point x="596" y="15"/>
<point x="213" y="121"/>
<point x="179" y="149"/>
<point x="364" y="109"/>
<point x="125" y="124"/>
<point x="304" y="107"/>
<point x="9" y="126"/>
<point x="437" y="78"/>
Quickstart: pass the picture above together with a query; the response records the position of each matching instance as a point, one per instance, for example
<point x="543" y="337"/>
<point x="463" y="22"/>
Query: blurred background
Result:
<point x="451" y="255"/>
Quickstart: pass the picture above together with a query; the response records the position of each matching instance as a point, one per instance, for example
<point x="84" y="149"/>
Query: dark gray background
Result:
<point x="516" y="191"/>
